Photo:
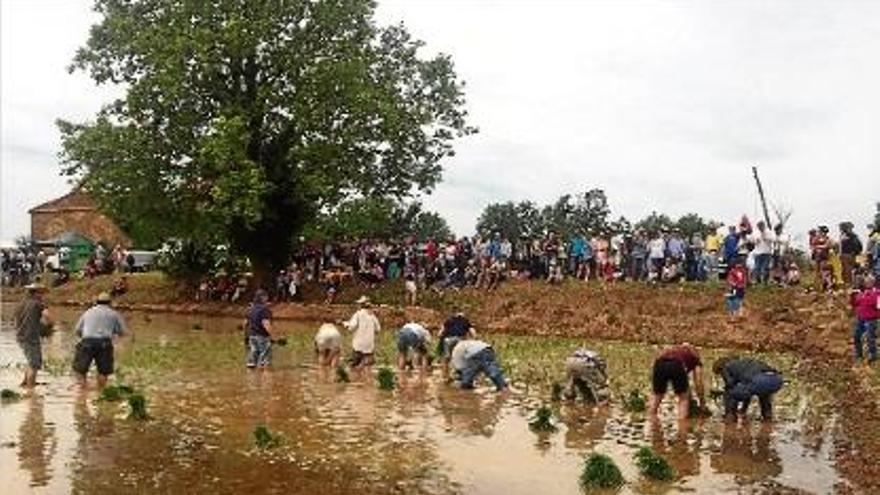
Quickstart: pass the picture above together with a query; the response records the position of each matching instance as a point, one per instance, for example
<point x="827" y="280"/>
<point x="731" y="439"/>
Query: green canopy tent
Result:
<point x="78" y="250"/>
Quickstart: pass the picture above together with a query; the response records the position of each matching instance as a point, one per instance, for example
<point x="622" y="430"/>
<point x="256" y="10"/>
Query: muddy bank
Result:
<point x="776" y="319"/>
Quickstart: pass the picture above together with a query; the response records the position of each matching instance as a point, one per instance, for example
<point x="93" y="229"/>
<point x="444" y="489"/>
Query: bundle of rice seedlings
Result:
<point x="695" y="411"/>
<point x="265" y="439"/>
<point x="542" y="420"/>
<point x="115" y="393"/>
<point x="601" y="472"/>
<point x="138" y="405"/>
<point x="635" y="401"/>
<point x="342" y="374"/>
<point x="7" y="395"/>
<point x="556" y="392"/>
<point x="652" y="465"/>
<point x="386" y="378"/>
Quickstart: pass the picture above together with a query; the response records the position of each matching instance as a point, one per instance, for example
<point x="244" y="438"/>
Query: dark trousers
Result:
<point x="763" y="385"/>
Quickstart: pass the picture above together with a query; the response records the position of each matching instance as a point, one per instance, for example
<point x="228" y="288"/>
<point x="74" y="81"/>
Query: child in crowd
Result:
<point x="411" y="288"/>
<point x="736" y="282"/>
<point x="865" y="302"/>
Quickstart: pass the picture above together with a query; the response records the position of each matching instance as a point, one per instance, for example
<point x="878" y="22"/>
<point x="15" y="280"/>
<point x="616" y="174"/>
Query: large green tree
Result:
<point x="512" y="220"/>
<point x="242" y="119"/>
<point x="383" y="218"/>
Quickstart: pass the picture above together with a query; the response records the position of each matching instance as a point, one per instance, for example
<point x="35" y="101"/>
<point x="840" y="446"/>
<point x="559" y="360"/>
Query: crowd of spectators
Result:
<point x="484" y="261"/>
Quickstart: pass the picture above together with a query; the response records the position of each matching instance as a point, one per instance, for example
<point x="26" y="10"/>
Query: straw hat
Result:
<point x="363" y="300"/>
<point x="35" y="287"/>
<point x="103" y="298"/>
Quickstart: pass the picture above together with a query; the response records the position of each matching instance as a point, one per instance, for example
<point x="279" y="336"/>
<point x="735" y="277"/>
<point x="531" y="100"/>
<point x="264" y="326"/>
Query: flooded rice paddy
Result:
<point x="339" y="438"/>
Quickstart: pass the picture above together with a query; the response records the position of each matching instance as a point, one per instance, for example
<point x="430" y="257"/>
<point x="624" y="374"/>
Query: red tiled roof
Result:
<point x="74" y="200"/>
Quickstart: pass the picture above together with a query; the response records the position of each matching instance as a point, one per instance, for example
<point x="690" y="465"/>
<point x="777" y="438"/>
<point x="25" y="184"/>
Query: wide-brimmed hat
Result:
<point x="35" y="287"/>
<point x="103" y="298"/>
<point x="363" y="300"/>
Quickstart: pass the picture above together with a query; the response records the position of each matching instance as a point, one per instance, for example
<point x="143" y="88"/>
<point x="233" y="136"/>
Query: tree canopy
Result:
<point x="378" y="218"/>
<point x="241" y="121"/>
<point x="587" y="212"/>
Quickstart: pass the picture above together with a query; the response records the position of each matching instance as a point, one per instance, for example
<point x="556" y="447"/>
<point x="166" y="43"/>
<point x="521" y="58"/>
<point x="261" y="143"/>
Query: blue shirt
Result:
<point x="578" y="246"/>
<point x="675" y="247"/>
<point x="255" y="317"/>
<point x="731" y="242"/>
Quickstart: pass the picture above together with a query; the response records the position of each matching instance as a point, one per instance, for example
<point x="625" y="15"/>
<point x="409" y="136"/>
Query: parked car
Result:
<point x="141" y="261"/>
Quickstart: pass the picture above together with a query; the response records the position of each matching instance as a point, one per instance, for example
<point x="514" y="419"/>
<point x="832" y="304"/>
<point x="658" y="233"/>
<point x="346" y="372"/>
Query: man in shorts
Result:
<point x="364" y="326"/>
<point x="31" y="317"/>
<point x="328" y="345"/>
<point x="745" y="378"/>
<point x="587" y="374"/>
<point x="455" y="328"/>
<point x="96" y="329"/>
<point x="413" y="338"/>
<point x="673" y="366"/>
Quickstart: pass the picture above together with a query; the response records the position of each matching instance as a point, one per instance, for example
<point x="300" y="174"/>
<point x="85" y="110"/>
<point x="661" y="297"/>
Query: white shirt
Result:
<point x="365" y="326"/>
<point x="419" y="330"/>
<point x="657" y="248"/>
<point x="328" y="336"/>
<point x="465" y="350"/>
<point x="763" y="242"/>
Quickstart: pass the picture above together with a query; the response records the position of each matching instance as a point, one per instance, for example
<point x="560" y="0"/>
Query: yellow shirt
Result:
<point x="713" y="242"/>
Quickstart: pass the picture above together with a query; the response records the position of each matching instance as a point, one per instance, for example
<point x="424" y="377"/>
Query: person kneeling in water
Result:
<point x="470" y="357"/>
<point x="586" y="372"/>
<point x="745" y="378"/>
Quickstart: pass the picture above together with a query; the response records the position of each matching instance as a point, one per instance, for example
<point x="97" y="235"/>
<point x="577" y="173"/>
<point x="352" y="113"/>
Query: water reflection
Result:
<point x="746" y="451"/>
<point x="680" y="446"/>
<point x="468" y="412"/>
<point x="37" y="443"/>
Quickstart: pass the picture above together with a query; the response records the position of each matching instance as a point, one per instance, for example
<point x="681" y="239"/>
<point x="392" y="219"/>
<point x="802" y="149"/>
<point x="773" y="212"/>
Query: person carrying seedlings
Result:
<point x="328" y="345"/>
<point x="587" y="374"/>
<point x="866" y="305"/>
<point x="736" y="284"/>
<point x="258" y="328"/>
<point x="31" y="317"/>
<point x="364" y="326"/>
<point x="673" y="365"/>
<point x="416" y="338"/>
<point x="96" y="329"/>
<point x="745" y="378"/>
<point x="470" y="357"/>
<point x="455" y="328"/>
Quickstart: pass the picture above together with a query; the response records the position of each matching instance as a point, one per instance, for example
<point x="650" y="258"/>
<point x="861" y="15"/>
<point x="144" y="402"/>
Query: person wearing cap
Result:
<point x="31" y="317"/>
<point x="673" y="366"/>
<point x="587" y="373"/>
<point x="413" y="337"/>
<point x="364" y="326"/>
<point x="96" y="329"/>
<point x="328" y="345"/>
<point x="745" y="378"/>
<point x="258" y="329"/>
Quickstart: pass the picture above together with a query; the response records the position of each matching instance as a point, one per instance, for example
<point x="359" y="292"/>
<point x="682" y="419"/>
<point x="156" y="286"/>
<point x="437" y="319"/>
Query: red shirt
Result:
<point x="866" y="304"/>
<point x="687" y="356"/>
<point x="736" y="277"/>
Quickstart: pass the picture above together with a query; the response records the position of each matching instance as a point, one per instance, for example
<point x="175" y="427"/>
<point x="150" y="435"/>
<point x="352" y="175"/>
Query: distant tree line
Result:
<point x="586" y="212"/>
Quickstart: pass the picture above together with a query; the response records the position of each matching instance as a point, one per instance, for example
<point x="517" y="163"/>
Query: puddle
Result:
<point x="425" y="437"/>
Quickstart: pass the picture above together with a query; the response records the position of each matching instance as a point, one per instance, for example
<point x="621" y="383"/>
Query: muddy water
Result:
<point x="425" y="437"/>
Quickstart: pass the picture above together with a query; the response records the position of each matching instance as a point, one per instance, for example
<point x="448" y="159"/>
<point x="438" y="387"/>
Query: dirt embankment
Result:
<point x="776" y="319"/>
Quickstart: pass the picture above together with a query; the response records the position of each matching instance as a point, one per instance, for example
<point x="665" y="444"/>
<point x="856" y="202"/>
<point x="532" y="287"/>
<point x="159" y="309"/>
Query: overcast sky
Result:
<point x="665" y="105"/>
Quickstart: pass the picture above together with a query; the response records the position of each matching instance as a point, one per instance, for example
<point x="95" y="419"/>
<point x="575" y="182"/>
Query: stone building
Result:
<point x="75" y="212"/>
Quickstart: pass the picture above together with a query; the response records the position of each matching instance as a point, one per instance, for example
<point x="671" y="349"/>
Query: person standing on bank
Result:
<point x="96" y="329"/>
<point x="258" y="328"/>
<point x="31" y="317"/>
<point x="673" y="365"/>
